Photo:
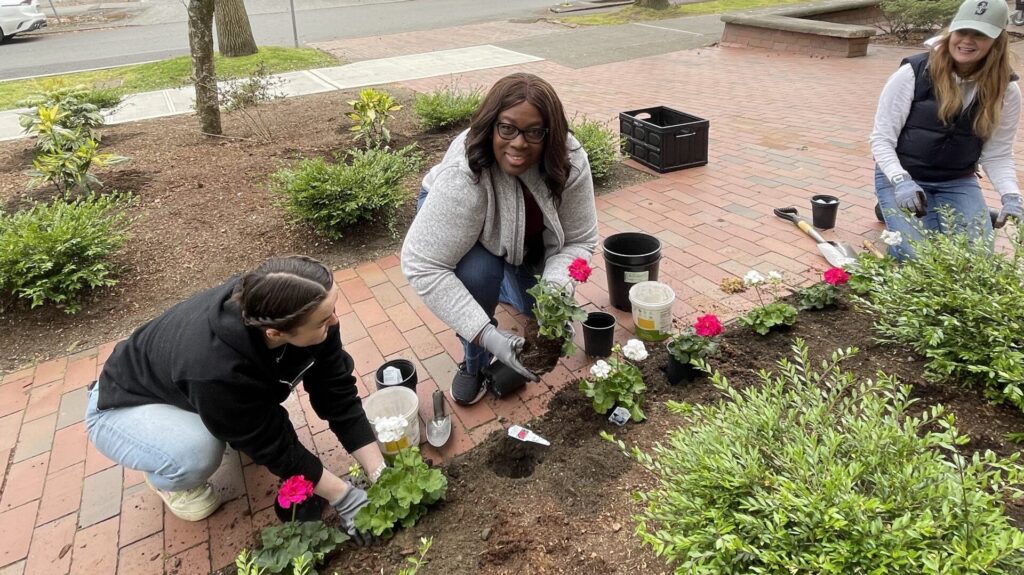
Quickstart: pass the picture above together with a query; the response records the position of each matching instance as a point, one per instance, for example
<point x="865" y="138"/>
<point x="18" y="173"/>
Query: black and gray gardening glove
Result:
<point x="505" y="347"/>
<point x="347" y="507"/>
<point x="910" y="196"/>
<point x="1012" y="208"/>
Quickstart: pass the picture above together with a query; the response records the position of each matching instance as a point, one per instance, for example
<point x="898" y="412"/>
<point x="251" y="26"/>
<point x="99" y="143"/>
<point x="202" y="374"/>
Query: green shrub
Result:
<point x="600" y="143"/>
<point x="960" y="306"/>
<point x="446" y="107"/>
<point x="816" y="473"/>
<point x="80" y="109"/>
<point x="51" y="253"/>
<point x="901" y="17"/>
<point x="333" y="197"/>
<point x="371" y="112"/>
<point x="64" y="157"/>
<point x="246" y="97"/>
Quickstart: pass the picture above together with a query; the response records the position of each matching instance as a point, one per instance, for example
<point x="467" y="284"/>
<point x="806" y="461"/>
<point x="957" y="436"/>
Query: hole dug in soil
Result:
<point x="515" y="459"/>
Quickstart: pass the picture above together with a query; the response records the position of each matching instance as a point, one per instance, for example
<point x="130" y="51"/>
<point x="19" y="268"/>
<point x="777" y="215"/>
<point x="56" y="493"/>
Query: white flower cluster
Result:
<point x="601" y="369"/>
<point x="892" y="238"/>
<point x="635" y="350"/>
<point x="753" y="278"/>
<point x="389" y="428"/>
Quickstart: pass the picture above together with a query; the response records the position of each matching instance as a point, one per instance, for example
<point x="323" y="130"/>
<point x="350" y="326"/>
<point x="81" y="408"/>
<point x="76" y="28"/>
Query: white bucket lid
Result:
<point x="651" y="294"/>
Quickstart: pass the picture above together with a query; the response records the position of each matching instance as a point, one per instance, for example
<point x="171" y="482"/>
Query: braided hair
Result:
<point x="282" y="291"/>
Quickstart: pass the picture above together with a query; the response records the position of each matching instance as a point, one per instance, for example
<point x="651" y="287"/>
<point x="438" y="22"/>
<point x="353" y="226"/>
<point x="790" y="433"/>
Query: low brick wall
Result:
<point x="833" y="28"/>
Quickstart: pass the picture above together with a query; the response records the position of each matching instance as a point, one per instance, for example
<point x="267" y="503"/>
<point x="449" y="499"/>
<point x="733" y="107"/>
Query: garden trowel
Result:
<point x="439" y="428"/>
<point x="838" y="254"/>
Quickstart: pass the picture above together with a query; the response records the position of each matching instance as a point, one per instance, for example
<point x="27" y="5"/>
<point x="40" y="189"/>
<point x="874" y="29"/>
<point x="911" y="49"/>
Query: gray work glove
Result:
<point x="1012" y="208"/>
<point x="505" y="347"/>
<point x="347" y="507"/>
<point x="910" y="196"/>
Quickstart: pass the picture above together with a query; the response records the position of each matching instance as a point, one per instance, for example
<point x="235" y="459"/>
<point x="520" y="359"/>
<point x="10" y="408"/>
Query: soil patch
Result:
<point x="519" y="508"/>
<point x="203" y="213"/>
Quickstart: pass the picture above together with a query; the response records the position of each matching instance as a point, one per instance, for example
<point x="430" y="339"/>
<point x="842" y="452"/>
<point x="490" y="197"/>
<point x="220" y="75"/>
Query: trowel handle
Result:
<point x="438" y="404"/>
<point x="809" y="230"/>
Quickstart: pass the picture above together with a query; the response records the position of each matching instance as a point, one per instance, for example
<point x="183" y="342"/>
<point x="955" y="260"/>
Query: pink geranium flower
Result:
<point x="836" y="276"/>
<point x="579" y="270"/>
<point x="707" y="326"/>
<point x="295" y="489"/>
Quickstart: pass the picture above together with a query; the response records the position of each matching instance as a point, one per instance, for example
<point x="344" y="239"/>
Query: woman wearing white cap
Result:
<point x="940" y="115"/>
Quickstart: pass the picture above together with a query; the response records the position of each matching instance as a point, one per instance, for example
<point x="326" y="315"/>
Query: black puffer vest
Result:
<point x="929" y="150"/>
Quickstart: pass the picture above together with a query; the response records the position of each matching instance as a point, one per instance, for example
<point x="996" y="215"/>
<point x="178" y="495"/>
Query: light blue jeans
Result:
<point x="171" y="445"/>
<point x="490" y="279"/>
<point x="963" y="195"/>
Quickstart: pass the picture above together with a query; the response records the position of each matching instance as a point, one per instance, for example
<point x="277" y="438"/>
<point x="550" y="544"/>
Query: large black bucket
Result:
<point x="630" y="258"/>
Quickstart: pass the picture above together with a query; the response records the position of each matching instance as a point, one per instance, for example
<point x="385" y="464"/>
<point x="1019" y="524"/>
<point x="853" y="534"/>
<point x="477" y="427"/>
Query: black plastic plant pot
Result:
<point x="629" y="258"/>
<point x="502" y="380"/>
<point x="598" y="334"/>
<point x="678" y="372"/>
<point x="409" y="378"/>
<point x="824" y="210"/>
<point x="311" y="509"/>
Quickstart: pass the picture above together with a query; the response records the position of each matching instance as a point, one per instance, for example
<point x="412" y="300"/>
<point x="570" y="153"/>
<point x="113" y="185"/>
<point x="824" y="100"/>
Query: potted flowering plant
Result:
<point x="774" y="315"/>
<point x="826" y="292"/>
<point x="618" y="381"/>
<point x="554" y="311"/>
<point x="695" y="343"/>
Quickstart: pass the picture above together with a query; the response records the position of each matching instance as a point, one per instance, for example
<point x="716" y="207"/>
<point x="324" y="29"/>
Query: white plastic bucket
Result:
<point x="391" y="402"/>
<point x="652" y="310"/>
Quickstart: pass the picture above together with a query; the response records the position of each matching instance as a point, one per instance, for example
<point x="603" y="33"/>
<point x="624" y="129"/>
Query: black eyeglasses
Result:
<point x="510" y="132"/>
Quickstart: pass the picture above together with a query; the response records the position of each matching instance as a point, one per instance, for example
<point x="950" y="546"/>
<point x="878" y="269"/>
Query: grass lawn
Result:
<point x="634" y="14"/>
<point x="170" y="73"/>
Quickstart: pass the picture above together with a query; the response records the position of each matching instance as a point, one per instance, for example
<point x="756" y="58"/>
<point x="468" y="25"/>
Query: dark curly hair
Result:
<point x="510" y="91"/>
<point x="282" y="291"/>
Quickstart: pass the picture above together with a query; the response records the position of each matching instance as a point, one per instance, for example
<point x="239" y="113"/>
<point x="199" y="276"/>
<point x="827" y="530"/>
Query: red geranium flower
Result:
<point x="836" y="276"/>
<point x="295" y="489"/>
<point x="579" y="270"/>
<point x="707" y="326"/>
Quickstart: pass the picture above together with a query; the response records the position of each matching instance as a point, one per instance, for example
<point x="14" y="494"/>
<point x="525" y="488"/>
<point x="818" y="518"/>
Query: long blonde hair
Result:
<point x="992" y="78"/>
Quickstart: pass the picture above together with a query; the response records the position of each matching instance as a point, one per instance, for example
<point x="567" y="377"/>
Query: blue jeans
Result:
<point x="963" y="195"/>
<point x="490" y="279"/>
<point x="171" y="445"/>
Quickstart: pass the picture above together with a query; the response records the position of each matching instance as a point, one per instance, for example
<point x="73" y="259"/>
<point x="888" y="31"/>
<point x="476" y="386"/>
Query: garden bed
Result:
<point x="204" y="213"/>
<point x="520" y="508"/>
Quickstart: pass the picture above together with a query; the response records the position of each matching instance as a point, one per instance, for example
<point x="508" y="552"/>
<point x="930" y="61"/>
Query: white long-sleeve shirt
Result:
<point x="894" y="107"/>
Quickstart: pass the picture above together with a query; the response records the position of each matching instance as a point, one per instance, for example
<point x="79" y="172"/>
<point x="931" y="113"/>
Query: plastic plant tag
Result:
<point x="523" y="434"/>
<point x="619" y="416"/>
<point x="392" y="375"/>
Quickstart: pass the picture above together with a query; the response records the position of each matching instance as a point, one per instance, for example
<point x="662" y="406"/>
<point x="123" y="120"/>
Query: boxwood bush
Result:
<point x="446" y="107"/>
<point x="334" y="197"/>
<point x="53" y="252"/>
<point x="600" y="143"/>
<point x="814" y="472"/>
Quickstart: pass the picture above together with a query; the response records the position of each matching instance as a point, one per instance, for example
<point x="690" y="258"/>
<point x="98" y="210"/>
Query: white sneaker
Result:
<point x="193" y="504"/>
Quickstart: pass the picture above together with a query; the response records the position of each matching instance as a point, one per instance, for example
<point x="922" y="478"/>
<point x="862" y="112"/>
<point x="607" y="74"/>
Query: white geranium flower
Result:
<point x="892" y="238"/>
<point x="774" y="276"/>
<point x="635" y="350"/>
<point x="753" y="278"/>
<point x="601" y="369"/>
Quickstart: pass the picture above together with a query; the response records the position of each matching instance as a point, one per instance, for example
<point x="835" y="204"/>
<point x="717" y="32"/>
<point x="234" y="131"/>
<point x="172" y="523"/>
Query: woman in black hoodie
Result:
<point x="214" y="370"/>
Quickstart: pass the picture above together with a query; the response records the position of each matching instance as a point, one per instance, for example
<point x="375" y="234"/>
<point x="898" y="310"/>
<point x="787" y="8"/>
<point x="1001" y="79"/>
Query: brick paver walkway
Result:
<point x="782" y="128"/>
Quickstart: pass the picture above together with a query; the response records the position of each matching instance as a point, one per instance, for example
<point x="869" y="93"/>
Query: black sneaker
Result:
<point x="467" y="389"/>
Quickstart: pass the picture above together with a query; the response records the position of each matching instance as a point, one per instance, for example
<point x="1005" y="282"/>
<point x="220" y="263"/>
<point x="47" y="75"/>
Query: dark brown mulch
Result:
<point x="516" y="508"/>
<point x="204" y="213"/>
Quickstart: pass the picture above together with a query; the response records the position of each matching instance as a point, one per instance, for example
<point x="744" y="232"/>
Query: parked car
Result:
<point x="20" y="16"/>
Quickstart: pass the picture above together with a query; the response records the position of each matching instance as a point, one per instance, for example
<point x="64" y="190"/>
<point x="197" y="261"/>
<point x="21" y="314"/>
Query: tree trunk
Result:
<point x="234" y="34"/>
<point x="200" y="42"/>
<point x="653" y="4"/>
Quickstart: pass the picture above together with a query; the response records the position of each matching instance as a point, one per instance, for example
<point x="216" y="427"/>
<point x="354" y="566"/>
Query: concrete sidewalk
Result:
<point x="782" y="128"/>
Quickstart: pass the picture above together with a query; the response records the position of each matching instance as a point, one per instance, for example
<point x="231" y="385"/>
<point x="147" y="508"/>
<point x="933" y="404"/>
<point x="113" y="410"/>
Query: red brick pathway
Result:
<point x="782" y="128"/>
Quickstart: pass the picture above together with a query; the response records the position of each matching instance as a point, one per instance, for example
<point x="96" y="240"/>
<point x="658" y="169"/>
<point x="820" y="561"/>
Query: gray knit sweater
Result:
<point x="458" y="212"/>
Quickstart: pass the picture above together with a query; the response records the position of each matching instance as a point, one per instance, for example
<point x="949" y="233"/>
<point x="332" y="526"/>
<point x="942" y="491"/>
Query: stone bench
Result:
<point x="828" y="28"/>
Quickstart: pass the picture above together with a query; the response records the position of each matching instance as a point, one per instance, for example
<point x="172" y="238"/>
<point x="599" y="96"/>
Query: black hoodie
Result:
<point x="200" y="357"/>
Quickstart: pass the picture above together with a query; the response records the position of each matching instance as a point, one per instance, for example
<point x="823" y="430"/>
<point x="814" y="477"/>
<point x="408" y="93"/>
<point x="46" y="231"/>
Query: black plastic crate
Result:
<point x="664" y="139"/>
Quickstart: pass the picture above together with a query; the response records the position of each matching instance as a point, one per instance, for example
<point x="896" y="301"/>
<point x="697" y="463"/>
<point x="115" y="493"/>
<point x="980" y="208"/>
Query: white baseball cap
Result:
<point x="989" y="17"/>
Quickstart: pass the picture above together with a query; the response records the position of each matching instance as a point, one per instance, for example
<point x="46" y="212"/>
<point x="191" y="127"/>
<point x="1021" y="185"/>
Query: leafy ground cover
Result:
<point x="169" y="73"/>
<point x="204" y="210"/>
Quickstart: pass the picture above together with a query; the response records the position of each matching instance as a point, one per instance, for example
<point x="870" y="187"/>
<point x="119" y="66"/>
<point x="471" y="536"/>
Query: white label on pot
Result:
<point x="636" y="277"/>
